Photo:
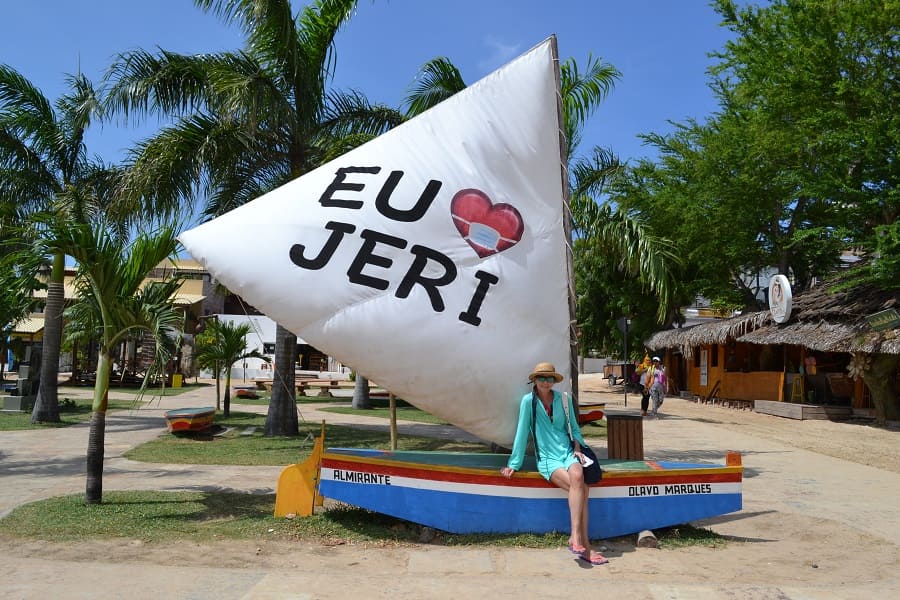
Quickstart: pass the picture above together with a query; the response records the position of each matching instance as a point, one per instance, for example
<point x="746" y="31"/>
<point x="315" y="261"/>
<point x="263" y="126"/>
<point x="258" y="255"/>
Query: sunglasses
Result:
<point x="543" y="379"/>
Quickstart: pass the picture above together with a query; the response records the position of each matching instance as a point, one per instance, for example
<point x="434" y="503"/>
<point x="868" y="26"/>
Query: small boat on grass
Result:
<point x="190" y="420"/>
<point x="465" y="492"/>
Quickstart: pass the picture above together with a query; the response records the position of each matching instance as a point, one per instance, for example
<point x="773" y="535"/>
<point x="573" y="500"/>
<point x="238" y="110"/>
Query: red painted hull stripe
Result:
<point x="527" y="481"/>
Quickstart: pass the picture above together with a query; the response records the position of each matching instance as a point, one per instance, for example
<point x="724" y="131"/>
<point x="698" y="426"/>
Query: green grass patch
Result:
<point x="150" y="516"/>
<point x="158" y="392"/>
<point x="71" y="412"/>
<point x="205" y="516"/>
<point x="262" y="399"/>
<point x="233" y="448"/>
<point x="597" y="429"/>
<point x="407" y="413"/>
<point x="682" y="536"/>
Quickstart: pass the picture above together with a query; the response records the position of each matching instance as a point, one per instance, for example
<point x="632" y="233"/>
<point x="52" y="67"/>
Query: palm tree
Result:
<point x="248" y="121"/>
<point x="44" y="168"/>
<point x="220" y="346"/>
<point x="113" y="302"/>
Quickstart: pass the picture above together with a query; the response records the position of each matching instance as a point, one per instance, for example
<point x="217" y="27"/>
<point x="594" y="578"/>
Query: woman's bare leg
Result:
<point x="584" y="518"/>
<point x="573" y="482"/>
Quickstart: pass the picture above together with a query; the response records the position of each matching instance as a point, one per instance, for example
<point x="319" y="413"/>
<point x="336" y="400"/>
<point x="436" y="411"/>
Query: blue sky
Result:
<point x="660" y="46"/>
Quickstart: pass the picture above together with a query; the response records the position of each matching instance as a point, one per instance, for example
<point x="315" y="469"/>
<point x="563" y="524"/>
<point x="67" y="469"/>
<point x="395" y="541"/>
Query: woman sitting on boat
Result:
<point x="542" y="415"/>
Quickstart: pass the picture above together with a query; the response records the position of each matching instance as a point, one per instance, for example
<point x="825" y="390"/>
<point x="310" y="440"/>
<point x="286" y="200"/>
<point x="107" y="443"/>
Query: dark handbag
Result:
<point x="592" y="473"/>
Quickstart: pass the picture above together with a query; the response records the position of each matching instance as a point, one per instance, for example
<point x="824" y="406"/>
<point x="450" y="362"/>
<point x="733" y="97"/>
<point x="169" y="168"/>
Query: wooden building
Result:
<point x="808" y="359"/>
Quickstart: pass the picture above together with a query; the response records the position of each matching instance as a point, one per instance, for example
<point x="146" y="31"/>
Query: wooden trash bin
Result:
<point x="625" y="437"/>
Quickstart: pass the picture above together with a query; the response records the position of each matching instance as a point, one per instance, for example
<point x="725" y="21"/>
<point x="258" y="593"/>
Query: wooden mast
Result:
<point x="567" y="226"/>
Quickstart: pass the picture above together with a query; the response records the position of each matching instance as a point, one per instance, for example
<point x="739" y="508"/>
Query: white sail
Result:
<point x="432" y="260"/>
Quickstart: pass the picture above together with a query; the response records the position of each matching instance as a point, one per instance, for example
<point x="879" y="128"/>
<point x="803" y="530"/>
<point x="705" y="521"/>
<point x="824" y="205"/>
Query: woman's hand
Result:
<point x="578" y="454"/>
<point x="507" y="472"/>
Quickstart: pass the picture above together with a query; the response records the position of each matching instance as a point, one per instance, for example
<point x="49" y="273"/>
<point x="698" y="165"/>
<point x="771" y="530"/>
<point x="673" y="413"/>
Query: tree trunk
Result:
<point x="46" y="405"/>
<point x="218" y="387"/>
<point x="881" y="378"/>
<point x="227" y="402"/>
<point x="361" y="393"/>
<point x="93" y="493"/>
<point x="282" y="417"/>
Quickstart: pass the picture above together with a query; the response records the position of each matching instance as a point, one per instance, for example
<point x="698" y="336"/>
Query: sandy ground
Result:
<point x="820" y="520"/>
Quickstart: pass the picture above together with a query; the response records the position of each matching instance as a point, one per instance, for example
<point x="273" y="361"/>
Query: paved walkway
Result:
<point x="40" y="464"/>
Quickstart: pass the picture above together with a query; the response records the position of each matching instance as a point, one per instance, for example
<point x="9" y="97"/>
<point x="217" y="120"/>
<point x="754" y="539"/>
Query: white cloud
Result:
<point x="499" y="53"/>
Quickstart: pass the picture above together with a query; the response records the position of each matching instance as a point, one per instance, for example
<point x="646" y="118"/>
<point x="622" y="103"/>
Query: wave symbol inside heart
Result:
<point x="487" y="227"/>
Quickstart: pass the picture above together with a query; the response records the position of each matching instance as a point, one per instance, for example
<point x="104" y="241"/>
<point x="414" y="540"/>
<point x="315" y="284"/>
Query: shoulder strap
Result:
<point x="566" y="410"/>
<point x="533" y="416"/>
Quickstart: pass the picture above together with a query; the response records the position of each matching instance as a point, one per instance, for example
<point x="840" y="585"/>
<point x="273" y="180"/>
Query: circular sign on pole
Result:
<point x="780" y="299"/>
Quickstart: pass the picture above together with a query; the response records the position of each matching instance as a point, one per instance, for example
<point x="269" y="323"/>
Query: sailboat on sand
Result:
<point x="436" y="260"/>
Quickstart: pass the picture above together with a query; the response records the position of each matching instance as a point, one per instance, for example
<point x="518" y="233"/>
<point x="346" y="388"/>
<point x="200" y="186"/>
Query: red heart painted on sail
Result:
<point x="487" y="227"/>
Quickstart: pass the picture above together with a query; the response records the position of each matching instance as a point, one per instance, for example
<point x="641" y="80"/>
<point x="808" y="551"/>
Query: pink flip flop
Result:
<point x="579" y="550"/>
<point x="595" y="558"/>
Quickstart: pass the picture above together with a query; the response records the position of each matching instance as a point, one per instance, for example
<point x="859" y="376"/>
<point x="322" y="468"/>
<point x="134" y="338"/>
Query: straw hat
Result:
<point x="545" y="369"/>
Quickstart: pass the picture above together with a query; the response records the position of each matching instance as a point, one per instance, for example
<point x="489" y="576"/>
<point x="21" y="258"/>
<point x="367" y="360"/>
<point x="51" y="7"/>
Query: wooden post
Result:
<point x="802" y="371"/>
<point x="781" y="387"/>
<point x="393" y="404"/>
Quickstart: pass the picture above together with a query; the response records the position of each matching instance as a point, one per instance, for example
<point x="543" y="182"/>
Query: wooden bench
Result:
<point x="325" y="386"/>
<point x="263" y="385"/>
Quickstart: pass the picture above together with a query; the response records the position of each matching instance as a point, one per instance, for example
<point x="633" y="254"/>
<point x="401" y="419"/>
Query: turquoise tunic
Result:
<point x="554" y="447"/>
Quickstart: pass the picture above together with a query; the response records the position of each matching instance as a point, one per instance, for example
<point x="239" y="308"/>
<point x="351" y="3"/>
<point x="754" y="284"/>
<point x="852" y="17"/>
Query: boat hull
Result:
<point x="590" y="412"/>
<point x="465" y="493"/>
<point x="190" y="420"/>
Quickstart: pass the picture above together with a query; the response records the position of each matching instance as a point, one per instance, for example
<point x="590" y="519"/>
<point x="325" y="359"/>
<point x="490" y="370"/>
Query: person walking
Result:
<point x="645" y="393"/>
<point x="654" y="383"/>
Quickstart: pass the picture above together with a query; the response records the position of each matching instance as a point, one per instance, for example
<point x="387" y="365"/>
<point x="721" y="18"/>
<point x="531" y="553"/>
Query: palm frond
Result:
<point x="167" y="83"/>
<point x="317" y="25"/>
<point x="242" y="87"/>
<point x="437" y="80"/>
<point x="351" y="112"/>
<point x="641" y="253"/>
<point x="20" y="97"/>
<point x="166" y="171"/>
<point x="80" y="105"/>
<point x="239" y="185"/>
<point x="334" y="147"/>
<point x="583" y="92"/>
<point x="592" y="174"/>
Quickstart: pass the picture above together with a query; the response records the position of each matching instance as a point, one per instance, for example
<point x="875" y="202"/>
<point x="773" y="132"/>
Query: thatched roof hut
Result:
<point x="824" y="318"/>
